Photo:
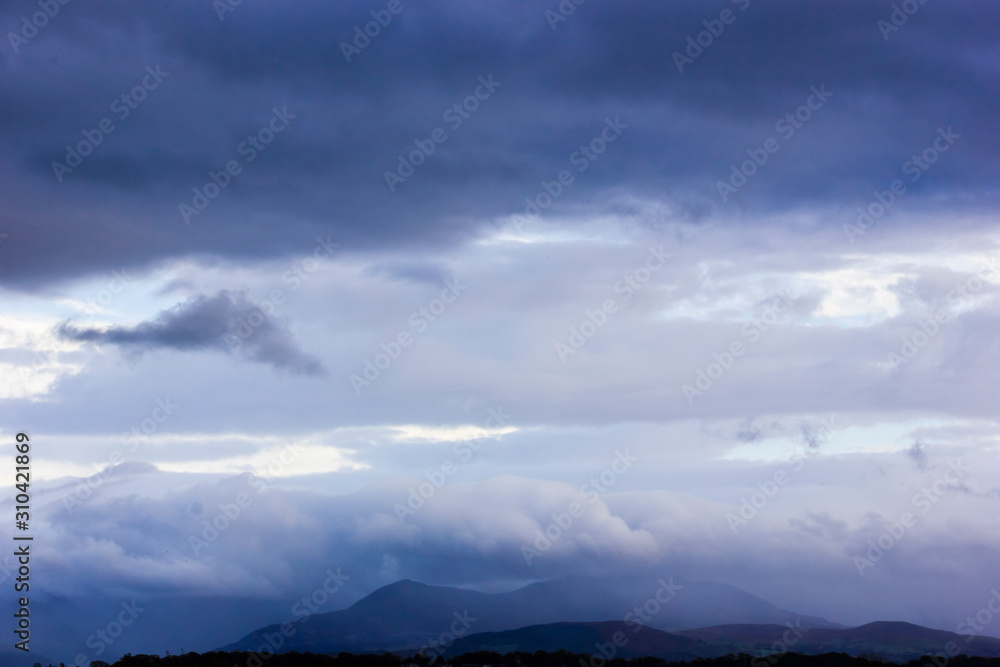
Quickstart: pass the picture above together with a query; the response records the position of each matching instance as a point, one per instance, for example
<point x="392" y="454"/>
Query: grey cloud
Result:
<point x="747" y="431"/>
<point x="325" y="173"/>
<point x="324" y="177"/>
<point x="226" y="321"/>
<point x="140" y="544"/>
<point x="411" y="270"/>
<point x="812" y="436"/>
<point x="918" y="454"/>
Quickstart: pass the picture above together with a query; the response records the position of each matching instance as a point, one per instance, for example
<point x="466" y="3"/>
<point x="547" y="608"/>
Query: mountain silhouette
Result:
<point x="16" y="658"/>
<point x="894" y="640"/>
<point x="608" y="639"/>
<point x="408" y="614"/>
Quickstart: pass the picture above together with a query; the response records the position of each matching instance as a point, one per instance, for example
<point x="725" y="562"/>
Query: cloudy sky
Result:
<point x="406" y="279"/>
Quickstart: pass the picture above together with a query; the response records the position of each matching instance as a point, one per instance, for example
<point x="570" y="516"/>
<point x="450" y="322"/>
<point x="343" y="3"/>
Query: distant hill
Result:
<point x="16" y="658"/>
<point x="696" y="604"/>
<point x="408" y="614"/>
<point x="894" y="640"/>
<point x="614" y="638"/>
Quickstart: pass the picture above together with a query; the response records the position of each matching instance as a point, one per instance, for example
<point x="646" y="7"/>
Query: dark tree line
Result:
<point x="521" y="659"/>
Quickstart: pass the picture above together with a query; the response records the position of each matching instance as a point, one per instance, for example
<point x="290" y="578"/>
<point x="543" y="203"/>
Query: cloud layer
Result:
<point x="725" y="274"/>
<point x="325" y="171"/>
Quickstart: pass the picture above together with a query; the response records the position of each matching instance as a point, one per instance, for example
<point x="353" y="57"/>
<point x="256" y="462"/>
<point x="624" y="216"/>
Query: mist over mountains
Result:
<point x="408" y="614"/>
<point x="621" y="616"/>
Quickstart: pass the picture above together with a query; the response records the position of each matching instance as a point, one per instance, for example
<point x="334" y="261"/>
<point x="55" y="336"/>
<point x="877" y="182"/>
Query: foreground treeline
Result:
<point x="538" y="659"/>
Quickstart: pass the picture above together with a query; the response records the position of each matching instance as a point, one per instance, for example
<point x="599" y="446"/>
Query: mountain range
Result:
<point x="15" y="658"/>
<point x="668" y="618"/>
<point x="893" y="641"/>
<point x="408" y="614"/>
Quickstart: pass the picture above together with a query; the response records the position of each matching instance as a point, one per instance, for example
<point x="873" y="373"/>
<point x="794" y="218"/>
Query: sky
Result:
<point x="388" y="286"/>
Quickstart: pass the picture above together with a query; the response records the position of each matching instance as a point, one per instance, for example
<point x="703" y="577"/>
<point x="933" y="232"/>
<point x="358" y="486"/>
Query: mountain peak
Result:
<point x="408" y="613"/>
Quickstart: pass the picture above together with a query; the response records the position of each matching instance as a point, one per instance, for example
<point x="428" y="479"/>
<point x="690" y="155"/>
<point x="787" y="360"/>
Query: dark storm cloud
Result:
<point x="225" y="321"/>
<point x="325" y="172"/>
